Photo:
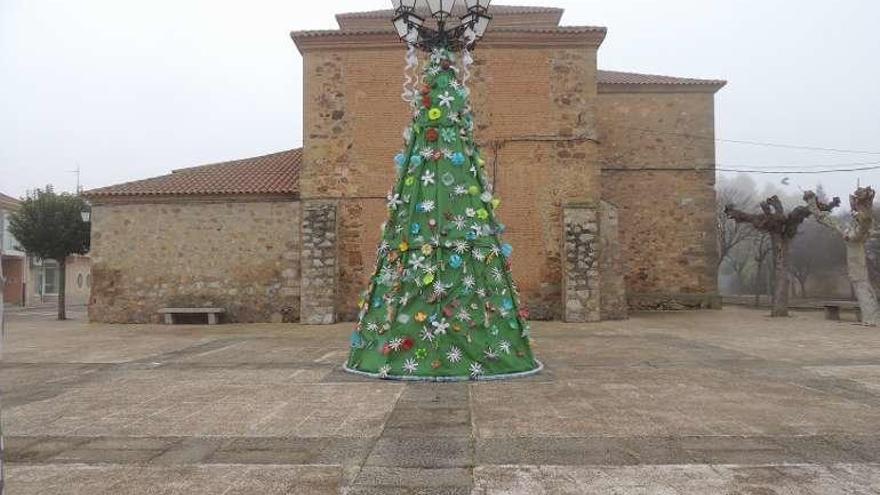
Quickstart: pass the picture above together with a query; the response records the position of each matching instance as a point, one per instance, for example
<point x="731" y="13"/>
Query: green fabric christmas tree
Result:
<point x="442" y="304"/>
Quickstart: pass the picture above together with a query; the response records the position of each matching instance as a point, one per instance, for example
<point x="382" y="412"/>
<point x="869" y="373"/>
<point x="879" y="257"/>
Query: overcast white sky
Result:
<point x="129" y="89"/>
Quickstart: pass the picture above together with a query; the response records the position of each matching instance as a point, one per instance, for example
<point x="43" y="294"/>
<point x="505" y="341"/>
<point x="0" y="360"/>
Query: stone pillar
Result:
<point x="613" y="295"/>
<point x="318" y="292"/>
<point x="580" y="277"/>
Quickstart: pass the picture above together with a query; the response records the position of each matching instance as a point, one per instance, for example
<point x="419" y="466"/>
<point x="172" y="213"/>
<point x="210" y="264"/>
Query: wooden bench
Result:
<point x="833" y="308"/>
<point x="213" y="313"/>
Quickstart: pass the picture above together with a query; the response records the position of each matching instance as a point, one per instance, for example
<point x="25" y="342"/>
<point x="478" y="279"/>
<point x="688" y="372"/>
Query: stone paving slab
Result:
<point x="696" y="479"/>
<point x="181" y="480"/>
<point x="700" y="402"/>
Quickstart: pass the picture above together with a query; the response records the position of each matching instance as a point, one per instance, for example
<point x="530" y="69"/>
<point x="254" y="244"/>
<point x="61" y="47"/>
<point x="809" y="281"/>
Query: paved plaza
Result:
<point x="712" y="402"/>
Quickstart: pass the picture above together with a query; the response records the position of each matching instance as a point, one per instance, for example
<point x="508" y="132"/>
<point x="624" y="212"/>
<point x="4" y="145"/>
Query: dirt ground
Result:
<point x="709" y="402"/>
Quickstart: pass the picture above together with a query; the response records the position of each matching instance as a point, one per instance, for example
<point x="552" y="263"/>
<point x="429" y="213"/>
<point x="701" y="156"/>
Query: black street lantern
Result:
<point x="412" y="30"/>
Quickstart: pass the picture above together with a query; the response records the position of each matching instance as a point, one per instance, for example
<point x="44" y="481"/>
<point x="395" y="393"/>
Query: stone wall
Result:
<point x="537" y="131"/>
<point x="662" y="182"/>
<point x="242" y="256"/>
<point x="319" y="261"/>
<point x="613" y="302"/>
<point x="580" y="247"/>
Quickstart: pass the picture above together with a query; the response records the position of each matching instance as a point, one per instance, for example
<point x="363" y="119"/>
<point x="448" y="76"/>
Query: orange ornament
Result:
<point x="432" y="135"/>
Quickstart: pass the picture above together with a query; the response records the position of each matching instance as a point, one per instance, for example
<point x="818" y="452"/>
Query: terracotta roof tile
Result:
<point x="9" y="201"/>
<point x="615" y="77"/>
<point x="277" y="173"/>
<point x="557" y="29"/>
<point x="460" y="10"/>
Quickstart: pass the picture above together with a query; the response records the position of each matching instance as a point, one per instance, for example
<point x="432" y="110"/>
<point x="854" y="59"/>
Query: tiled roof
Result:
<point x="630" y="78"/>
<point x="8" y="201"/>
<point x="277" y="173"/>
<point x="460" y="10"/>
<point x="557" y="29"/>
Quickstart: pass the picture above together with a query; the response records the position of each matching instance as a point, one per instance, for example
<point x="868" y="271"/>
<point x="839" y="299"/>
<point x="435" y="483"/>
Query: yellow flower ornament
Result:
<point x="435" y="113"/>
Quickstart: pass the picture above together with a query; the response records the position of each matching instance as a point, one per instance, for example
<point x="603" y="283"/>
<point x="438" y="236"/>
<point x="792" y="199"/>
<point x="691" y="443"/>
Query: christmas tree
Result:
<point x="441" y="304"/>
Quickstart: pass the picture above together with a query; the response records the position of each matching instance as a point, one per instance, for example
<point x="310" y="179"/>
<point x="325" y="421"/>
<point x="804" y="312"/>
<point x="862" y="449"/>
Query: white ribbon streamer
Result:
<point x="412" y="62"/>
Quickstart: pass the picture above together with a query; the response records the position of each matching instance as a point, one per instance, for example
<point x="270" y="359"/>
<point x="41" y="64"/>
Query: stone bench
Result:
<point x="832" y="309"/>
<point x="213" y="313"/>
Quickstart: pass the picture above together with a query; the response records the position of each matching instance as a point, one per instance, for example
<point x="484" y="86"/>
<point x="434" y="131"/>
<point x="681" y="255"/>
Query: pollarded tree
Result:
<point x="782" y="227"/>
<point x="855" y="234"/>
<point x="50" y="226"/>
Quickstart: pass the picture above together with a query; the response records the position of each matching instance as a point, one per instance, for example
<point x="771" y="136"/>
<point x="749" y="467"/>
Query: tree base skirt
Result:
<point x="441" y="379"/>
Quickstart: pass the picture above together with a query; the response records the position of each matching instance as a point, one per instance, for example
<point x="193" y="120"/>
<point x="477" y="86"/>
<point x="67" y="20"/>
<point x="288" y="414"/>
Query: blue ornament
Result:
<point x="458" y="158"/>
<point x="506" y="250"/>
<point x="400" y="160"/>
<point x="416" y="160"/>
<point x="377" y="302"/>
<point x="415" y="228"/>
<point x="356" y="340"/>
<point x="507" y="304"/>
<point x="455" y="261"/>
<point x="471" y="236"/>
<point x="500" y="228"/>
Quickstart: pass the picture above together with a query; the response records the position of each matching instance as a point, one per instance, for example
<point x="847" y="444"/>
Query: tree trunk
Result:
<point x="781" y="285"/>
<point x="62" y="289"/>
<point x="857" y="268"/>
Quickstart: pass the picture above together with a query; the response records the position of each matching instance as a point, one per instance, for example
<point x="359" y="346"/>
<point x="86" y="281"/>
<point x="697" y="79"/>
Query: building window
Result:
<point x="79" y="280"/>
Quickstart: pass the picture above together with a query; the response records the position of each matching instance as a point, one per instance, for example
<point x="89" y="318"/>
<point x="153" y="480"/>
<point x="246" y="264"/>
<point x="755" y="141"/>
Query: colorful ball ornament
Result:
<point x="435" y="113"/>
<point x="496" y="203"/>
<point x="506" y="250"/>
<point x="482" y="214"/>
<point x="458" y="159"/>
<point x="410" y="180"/>
<point x="427" y="250"/>
<point x="426" y="101"/>
<point x="507" y="304"/>
<point x="473" y="190"/>
<point x="403" y="247"/>
<point x="447" y="179"/>
<point x="425" y="89"/>
<point x="421" y="317"/>
<point x="428" y="278"/>
<point x="432" y="135"/>
<point x="455" y="261"/>
<point x="356" y="340"/>
<point x="400" y="159"/>
<point x="415" y="228"/>
<point x="416" y="160"/>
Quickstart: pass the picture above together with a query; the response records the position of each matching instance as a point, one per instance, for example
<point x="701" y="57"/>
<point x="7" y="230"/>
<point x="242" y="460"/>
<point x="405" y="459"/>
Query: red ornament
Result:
<point x="386" y="350"/>
<point x="408" y="344"/>
<point x="426" y="90"/>
<point x="523" y="313"/>
<point x="432" y="135"/>
<point x="426" y="101"/>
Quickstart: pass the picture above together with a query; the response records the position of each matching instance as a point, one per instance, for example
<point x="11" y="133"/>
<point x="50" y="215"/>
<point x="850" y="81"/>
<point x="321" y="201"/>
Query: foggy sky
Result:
<point x="130" y="89"/>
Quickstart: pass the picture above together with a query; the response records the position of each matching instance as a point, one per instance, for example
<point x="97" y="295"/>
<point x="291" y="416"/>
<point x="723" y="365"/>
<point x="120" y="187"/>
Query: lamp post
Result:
<point x="412" y="30"/>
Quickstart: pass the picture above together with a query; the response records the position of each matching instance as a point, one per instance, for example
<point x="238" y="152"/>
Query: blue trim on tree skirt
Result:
<point x="468" y="378"/>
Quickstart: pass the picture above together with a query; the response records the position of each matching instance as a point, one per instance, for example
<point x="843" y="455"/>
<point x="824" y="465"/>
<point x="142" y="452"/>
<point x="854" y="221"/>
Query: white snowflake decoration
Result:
<point x="427" y="153"/>
<point x="463" y="315"/>
<point x="460" y="190"/>
<point x="410" y="366"/>
<point x="439" y="289"/>
<point x="427" y="206"/>
<point x="396" y="344"/>
<point x="504" y="346"/>
<point x="479" y="255"/>
<point x="497" y="274"/>
<point x="417" y="263"/>
<point x="440" y="327"/>
<point x="468" y="281"/>
<point x="427" y="178"/>
<point x="394" y="201"/>
<point x="459" y="222"/>
<point x="460" y="246"/>
<point x="490" y="354"/>
<point x="446" y="100"/>
<point x="383" y="248"/>
<point x="384" y="370"/>
<point x="428" y="335"/>
<point x="476" y="369"/>
<point x="372" y="326"/>
<point x="470" y="212"/>
<point x="454" y="355"/>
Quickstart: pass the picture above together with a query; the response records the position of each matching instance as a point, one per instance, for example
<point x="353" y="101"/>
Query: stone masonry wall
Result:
<point x="319" y="262"/>
<point x="242" y="256"/>
<point x="613" y="294"/>
<point x="353" y="123"/>
<point x="580" y="247"/>
<point x="663" y="185"/>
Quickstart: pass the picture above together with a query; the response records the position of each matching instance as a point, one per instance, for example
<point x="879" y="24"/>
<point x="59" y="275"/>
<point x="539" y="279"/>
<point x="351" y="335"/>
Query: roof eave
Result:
<point x="711" y="87"/>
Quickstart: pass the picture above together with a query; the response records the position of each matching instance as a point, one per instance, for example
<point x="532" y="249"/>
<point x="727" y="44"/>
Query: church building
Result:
<point x="606" y="181"/>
